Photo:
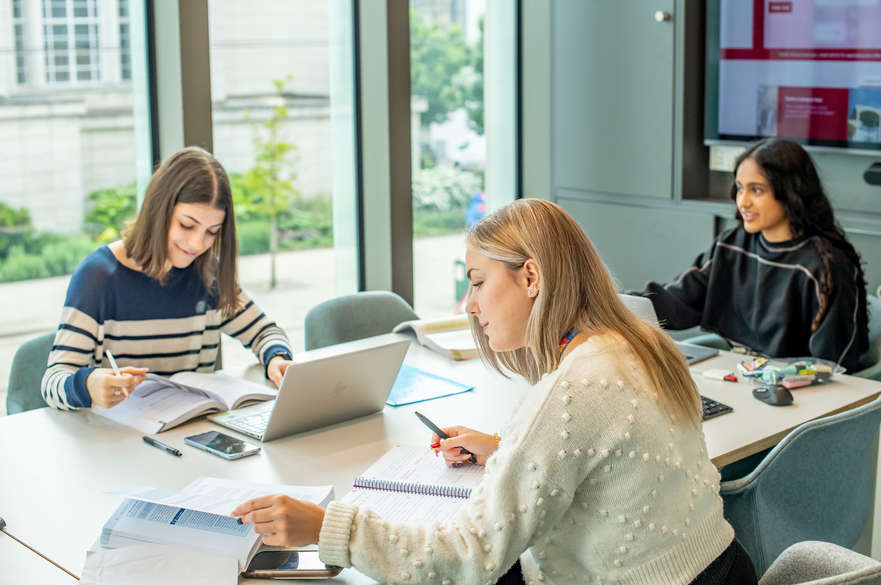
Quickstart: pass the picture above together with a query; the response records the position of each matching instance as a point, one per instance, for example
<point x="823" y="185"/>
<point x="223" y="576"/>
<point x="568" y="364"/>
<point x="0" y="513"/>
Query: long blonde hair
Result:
<point x="575" y="290"/>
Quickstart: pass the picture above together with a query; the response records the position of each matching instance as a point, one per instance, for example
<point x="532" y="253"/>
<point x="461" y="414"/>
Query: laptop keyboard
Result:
<point x="251" y="423"/>
<point x="711" y="408"/>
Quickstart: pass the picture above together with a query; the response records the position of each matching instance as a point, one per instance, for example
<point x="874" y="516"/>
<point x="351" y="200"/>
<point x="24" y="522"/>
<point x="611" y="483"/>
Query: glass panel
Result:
<point x="81" y="35"/>
<point x="281" y="85"/>
<point x="449" y="153"/>
<point x="20" y="64"/>
<point x="67" y="173"/>
<point x="81" y="8"/>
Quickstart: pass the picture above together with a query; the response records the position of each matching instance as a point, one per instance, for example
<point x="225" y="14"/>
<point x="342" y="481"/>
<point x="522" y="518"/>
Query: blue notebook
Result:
<point x="415" y="385"/>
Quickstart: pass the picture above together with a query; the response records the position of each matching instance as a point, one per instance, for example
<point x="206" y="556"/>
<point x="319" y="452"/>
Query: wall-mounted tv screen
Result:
<point x="803" y="69"/>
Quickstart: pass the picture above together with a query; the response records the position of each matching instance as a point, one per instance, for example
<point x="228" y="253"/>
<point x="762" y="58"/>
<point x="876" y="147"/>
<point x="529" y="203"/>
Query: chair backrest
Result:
<point x="26" y="374"/>
<point x="814" y="485"/>
<point x="812" y="562"/>
<point x="873" y="370"/>
<point x="355" y="316"/>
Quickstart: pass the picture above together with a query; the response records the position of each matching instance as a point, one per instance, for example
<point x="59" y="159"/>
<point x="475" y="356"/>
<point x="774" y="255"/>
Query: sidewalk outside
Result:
<point x="306" y="277"/>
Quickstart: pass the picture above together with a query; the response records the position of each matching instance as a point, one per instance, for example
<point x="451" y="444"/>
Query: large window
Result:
<point x="461" y="53"/>
<point x="74" y="151"/>
<point x="18" y="33"/>
<point x="282" y="103"/>
<point x="70" y="40"/>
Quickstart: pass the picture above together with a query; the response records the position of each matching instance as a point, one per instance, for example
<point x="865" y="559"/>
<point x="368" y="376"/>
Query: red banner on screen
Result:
<point x="819" y="113"/>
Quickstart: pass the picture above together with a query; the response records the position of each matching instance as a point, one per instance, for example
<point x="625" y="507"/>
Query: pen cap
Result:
<point x="2" y="523"/>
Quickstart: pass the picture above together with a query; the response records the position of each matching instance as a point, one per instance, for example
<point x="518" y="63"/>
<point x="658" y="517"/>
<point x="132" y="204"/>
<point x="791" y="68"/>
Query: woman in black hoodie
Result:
<point x="785" y="282"/>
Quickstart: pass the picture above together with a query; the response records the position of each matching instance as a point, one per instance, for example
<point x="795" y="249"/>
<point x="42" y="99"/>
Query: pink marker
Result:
<point x="791" y="384"/>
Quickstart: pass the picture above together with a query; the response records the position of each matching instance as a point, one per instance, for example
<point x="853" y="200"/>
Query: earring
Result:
<point x="532" y="291"/>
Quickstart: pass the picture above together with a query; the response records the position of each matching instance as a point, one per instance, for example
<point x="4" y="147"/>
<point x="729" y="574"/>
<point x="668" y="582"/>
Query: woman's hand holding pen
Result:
<point x="282" y="520"/>
<point x="479" y="444"/>
<point x="108" y="389"/>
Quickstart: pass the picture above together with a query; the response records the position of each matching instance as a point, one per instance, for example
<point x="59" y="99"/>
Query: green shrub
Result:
<point x="15" y="228"/>
<point x="50" y="255"/>
<point x="109" y="210"/>
<point x="440" y="199"/>
<point x="64" y="255"/>
<point x="20" y="265"/>
<point x="438" y="223"/>
<point x="253" y="236"/>
<point x="10" y="216"/>
<point x="309" y="225"/>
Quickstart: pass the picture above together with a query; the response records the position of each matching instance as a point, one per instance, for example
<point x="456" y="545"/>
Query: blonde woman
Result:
<point x="601" y="476"/>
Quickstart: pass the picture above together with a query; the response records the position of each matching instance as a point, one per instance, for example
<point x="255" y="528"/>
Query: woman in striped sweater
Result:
<point x="159" y="299"/>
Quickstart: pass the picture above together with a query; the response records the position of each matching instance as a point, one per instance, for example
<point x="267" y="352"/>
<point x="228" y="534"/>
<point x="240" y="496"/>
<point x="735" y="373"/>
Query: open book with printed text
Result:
<point x="197" y="517"/>
<point x="158" y="403"/>
<point x="449" y="336"/>
<point x="411" y="484"/>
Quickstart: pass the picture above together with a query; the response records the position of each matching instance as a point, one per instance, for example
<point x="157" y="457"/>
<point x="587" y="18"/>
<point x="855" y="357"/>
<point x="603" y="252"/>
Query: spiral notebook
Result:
<point x="411" y="484"/>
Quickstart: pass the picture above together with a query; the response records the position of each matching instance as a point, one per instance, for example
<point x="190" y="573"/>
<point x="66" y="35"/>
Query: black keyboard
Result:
<point x="711" y="408"/>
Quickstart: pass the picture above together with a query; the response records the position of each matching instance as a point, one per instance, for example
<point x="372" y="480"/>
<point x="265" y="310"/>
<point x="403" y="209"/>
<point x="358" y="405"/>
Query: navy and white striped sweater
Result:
<point x="167" y="328"/>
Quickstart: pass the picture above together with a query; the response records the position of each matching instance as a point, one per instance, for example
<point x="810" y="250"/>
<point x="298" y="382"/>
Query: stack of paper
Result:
<point x="158" y="530"/>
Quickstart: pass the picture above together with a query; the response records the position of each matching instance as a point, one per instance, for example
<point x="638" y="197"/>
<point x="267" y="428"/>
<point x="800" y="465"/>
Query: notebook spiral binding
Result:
<point x="444" y="491"/>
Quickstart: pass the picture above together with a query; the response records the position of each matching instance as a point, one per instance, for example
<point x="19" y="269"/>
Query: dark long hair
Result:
<point x="190" y="175"/>
<point x="796" y="185"/>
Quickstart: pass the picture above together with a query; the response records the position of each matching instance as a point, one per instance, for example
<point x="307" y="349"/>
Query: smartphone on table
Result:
<point x="222" y="445"/>
<point x="289" y="564"/>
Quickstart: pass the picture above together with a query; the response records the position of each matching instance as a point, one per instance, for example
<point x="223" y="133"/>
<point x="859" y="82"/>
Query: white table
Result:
<point x="57" y="466"/>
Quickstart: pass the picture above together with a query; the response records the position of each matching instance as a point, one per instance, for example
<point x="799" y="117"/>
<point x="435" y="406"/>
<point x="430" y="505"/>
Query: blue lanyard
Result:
<point x="570" y="335"/>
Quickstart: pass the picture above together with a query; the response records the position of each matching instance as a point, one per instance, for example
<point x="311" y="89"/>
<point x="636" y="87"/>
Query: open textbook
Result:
<point x="195" y="518"/>
<point x="449" y="336"/>
<point x="411" y="484"/>
<point x="158" y="403"/>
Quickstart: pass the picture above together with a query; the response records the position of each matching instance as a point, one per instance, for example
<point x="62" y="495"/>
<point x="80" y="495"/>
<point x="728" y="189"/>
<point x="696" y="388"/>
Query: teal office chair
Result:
<point x="814" y="485"/>
<point x="26" y="374"/>
<point x="355" y="316"/>
<point x="874" y="369"/>
<point x="822" y="563"/>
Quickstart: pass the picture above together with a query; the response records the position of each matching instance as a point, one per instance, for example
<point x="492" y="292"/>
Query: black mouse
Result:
<point x="775" y="395"/>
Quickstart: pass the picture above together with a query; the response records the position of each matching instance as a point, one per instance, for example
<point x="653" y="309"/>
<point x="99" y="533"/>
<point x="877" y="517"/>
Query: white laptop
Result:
<point x="332" y="385"/>
<point x="642" y="307"/>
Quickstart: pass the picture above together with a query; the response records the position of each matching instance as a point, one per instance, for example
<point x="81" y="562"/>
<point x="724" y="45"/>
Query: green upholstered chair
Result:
<point x="355" y="316"/>
<point x="26" y="374"/>
<point x="816" y="484"/>
<point x="821" y="563"/>
<point x="874" y="369"/>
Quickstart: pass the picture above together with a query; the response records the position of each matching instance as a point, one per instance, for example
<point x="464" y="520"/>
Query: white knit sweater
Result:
<point x="591" y="480"/>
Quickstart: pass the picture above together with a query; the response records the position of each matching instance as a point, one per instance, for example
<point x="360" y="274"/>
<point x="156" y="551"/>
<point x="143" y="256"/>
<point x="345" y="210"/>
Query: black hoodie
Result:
<point x="764" y="295"/>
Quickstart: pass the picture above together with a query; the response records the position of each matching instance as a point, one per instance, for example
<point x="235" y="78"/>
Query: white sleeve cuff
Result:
<point x="333" y="541"/>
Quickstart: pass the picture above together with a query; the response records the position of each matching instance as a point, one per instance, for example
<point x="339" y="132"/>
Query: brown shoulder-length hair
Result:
<point x="575" y="290"/>
<point x="190" y="175"/>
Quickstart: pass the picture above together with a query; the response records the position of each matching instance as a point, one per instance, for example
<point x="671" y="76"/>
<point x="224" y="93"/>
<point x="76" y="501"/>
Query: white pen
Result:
<point x="112" y="361"/>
